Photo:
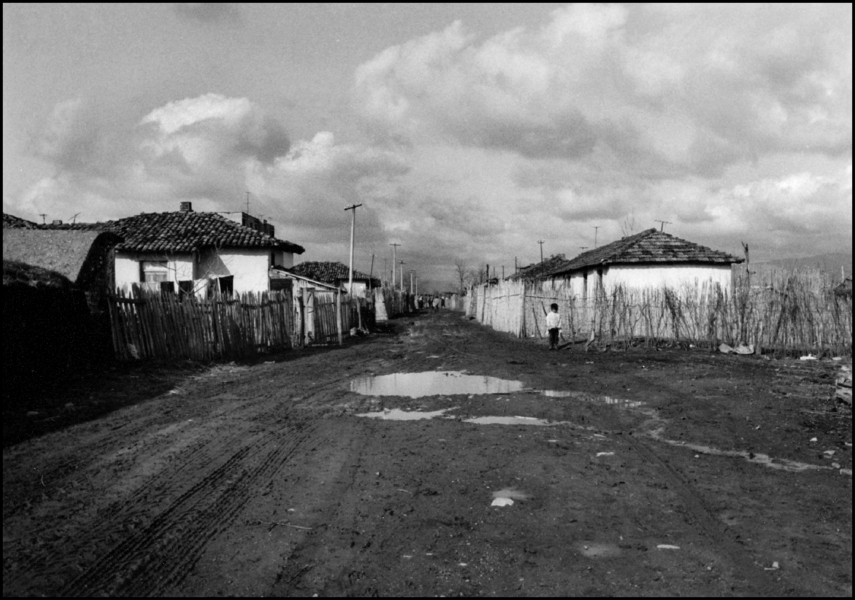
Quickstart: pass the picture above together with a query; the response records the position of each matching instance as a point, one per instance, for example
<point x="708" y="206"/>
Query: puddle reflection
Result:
<point x="396" y="414"/>
<point x="432" y="383"/>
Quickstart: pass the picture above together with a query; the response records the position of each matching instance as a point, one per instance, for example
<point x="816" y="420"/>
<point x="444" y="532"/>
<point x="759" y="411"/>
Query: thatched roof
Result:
<point x="62" y="251"/>
<point x="17" y="273"/>
<point x="648" y="247"/>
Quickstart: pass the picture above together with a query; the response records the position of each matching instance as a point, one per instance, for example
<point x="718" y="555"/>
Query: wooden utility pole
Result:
<point x="411" y="282"/>
<point x="516" y="269"/>
<point x="352" y="207"/>
<point x="247" y="203"/>
<point x="43" y="215"/>
<point x="394" y="262"/>
<point x="662" y="224"/>
<point x="541" y="249"/>
<point x="596" y="227"/>
<point x="503" y="271"/>
<point x="402" y="275"/>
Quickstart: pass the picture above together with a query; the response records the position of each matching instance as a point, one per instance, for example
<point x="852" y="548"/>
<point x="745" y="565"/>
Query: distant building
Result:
<point x="650" y="259"/>
<point x="336" y="274"/>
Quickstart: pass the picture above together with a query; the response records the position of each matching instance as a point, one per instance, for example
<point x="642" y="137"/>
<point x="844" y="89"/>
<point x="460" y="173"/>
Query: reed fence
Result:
<point x="782" y="314"/>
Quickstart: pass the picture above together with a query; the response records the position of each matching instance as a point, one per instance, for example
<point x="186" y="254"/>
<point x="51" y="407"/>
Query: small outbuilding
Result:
<point x="336" y="274"/>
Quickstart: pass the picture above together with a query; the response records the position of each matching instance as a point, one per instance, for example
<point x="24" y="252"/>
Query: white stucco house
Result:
<point x="650" y="259"/>
<point x="196" y="252"/>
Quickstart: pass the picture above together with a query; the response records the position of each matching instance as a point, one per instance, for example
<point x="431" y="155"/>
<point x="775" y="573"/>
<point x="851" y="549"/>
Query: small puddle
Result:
<point x="607" y="400"/>
<point x="596" y="550"/>
<point x="432" y="383"/>
<point x="514" y="421"/>
<point x="396" y="414"/>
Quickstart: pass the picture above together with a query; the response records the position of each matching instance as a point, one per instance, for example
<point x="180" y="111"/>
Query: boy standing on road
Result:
<point x="553" y="325"/>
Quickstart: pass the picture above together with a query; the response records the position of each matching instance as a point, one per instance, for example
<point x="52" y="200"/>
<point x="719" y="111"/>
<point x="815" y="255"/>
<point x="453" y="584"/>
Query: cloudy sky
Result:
<point x="466" y="131"/>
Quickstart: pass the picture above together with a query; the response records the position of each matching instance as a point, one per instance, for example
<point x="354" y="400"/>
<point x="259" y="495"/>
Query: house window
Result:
<point x="154" y="270"/>
<point x="226" y="284"/>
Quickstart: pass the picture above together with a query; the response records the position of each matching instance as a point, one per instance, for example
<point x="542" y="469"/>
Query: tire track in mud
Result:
<point x="176" y="537"/>
<point x="716" y="533"/>
<point x="167" y="548"/>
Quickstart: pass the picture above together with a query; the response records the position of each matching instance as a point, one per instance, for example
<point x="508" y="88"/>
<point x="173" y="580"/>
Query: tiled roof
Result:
<point x="182" y="231"/>
<point x="328" y="272"/>
<point x="649" y="246"/>
<point x="536" y="270"/>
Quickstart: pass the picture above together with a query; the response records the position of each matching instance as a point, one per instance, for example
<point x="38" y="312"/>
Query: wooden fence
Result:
<point x="788" y="316"/>
<point x="147" y="324"/>
<point x="154" y="325"/>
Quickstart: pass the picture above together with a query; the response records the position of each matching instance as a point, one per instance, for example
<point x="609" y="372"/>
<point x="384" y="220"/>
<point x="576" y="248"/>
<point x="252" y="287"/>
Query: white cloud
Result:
<point x="597" y="82"/>
<point x="210" y="149"/>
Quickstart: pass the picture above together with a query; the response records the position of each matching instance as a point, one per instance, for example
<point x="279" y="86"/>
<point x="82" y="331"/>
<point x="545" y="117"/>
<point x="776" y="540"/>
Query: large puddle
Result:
<point x="449" y="383"/>
<point x="432" y="383"/>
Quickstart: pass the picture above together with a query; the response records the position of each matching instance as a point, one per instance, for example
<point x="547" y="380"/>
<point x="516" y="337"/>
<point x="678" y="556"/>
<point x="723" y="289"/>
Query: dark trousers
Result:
<point x="553" y="338"/>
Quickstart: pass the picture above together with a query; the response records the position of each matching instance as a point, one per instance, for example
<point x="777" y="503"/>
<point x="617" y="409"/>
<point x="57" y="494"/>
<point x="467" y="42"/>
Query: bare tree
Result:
<point x="462" y="272"/>
<point x="628" y="225"/>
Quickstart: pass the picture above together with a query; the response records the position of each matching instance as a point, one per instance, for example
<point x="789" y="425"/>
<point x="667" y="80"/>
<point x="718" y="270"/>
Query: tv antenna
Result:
<point x="74" y="218"/>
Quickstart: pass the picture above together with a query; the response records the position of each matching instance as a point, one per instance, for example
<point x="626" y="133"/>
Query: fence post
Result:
<point x="338" y="315"/>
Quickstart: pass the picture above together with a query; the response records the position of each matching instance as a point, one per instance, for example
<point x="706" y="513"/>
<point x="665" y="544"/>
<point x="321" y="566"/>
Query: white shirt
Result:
<point x="553" y="320"/>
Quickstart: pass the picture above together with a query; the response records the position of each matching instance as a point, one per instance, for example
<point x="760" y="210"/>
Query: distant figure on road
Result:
<point x="436" y="304"/>
<point x="553" y="325"/>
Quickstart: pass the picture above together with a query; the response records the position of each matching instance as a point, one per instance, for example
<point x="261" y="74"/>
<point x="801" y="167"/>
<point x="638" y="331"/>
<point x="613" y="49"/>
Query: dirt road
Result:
<point x="654" y="472"/>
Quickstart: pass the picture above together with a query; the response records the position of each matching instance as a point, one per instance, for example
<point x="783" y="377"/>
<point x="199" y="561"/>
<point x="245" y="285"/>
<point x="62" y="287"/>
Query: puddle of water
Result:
<point x="396" y="414"/>
<point x="432" y="383"/>
<point x="513" y="421"/>
<point x="607" y="400"/>
<point x="595" y="550"/>
<point x="781" y="464"/>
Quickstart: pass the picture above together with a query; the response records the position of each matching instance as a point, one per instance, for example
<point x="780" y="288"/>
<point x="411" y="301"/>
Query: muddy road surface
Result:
<point x="485" y="466"/>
